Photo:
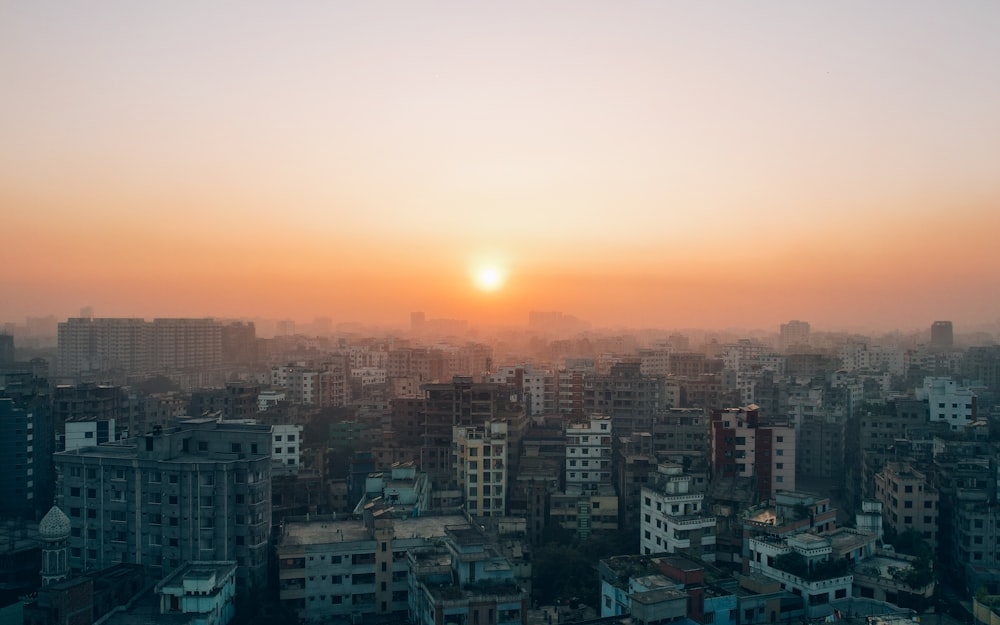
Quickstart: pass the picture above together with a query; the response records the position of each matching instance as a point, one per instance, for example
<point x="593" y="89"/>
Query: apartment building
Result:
<point x="909" y="501"/>
<point x="198" y="491"/>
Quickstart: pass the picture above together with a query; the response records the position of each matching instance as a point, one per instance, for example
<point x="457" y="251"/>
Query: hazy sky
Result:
<point x="657" y="163"/>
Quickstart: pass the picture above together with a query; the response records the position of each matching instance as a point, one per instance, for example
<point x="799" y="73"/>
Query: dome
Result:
<point x="54" y="525"/>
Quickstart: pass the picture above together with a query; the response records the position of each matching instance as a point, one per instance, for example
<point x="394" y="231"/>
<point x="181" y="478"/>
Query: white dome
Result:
<point x="54" y="525"/>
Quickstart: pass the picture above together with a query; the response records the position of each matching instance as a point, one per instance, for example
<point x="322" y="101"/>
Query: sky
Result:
<point x="643" y="164"/>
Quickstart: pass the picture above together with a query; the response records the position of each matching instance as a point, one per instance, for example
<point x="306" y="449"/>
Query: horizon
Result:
<point x="638" y="166"/>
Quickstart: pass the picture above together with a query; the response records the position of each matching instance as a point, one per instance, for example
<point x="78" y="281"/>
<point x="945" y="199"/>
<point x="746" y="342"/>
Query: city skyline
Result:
<point x="641" y="166"/>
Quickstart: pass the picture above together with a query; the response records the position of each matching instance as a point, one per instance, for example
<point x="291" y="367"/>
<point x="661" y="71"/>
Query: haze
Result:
<point x="646" y="164"/>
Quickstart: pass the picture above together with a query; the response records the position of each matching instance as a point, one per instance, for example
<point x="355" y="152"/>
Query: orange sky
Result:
<point x="648" y="165"/>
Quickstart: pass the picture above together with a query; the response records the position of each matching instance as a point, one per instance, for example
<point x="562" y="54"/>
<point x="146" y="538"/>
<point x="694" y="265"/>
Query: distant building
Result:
<point x="794" y="334"/>
<point x="137" y="346"/>
<point x="942" y="335"/>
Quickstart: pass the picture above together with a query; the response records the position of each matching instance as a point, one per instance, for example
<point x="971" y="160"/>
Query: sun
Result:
<point x="489" y="278"/>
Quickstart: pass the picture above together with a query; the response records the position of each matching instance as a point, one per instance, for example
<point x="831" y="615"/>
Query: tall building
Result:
<point x="481" y="467"/>
<point x="199" y="491"/>
<point x="17" y="459"/>
<point x="942" y="335"/>
<point x="794" y="333"/>
<point x="137" y="346"/>
<point x="589" y="502"/>
<point x="743" y="446"/>
<point x="630" y="398"/>
<point x="6" y="349"/>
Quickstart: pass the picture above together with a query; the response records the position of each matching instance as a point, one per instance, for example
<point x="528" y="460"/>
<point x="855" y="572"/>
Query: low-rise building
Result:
<point x="464" y="580"/>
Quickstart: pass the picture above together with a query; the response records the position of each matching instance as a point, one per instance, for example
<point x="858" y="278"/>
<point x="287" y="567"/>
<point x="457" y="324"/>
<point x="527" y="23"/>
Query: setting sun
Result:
<point x="489" y="278"/>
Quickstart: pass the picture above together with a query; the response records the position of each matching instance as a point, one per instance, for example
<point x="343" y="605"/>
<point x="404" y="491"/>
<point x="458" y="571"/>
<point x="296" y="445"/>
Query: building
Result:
<point x="465" y="580"/>
<point x="673" y="517"/>
<point x="203" y="591"/>
<point x="947" y="402"/>
<point x="942" y="335"/>
<point x="909" y="501"/>
<point x="403" y="488"/>
<point x="794" y="334"/>
<point x="137" y="346"/>
<point x="199" y="491"/>
<point x="481" y="467"/>
<point x="329" y="568"/>
<point x="17" y="459"/>
<point x="87" y="433"/>
<point x="743" y="446"/>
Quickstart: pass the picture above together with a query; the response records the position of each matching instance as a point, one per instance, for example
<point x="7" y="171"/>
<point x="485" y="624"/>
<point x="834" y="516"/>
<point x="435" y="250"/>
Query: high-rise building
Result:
<point x="199" y="491"/>
<point x="17" y="459"/>
<point x="137" y="346"/>
<point x="481" y="467"/>
<point x="6" y="349"/>
<point x="794" y="333"/>
<point x="942" y="335"/>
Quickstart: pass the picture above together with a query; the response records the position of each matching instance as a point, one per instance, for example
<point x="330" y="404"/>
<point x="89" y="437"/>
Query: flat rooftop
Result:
<point x="322" y="532"/>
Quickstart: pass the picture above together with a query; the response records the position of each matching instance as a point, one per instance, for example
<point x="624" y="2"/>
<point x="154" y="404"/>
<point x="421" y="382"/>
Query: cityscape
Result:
<point x="519" y="313"/>
<point x="191" y="470"/>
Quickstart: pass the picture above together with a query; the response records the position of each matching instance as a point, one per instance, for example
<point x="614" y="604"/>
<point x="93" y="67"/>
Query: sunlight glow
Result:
<point x="489" y="278"/>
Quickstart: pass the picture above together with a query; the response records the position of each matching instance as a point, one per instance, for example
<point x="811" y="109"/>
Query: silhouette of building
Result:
<point x="794" y="333"/>
<point x="942" y="335"/>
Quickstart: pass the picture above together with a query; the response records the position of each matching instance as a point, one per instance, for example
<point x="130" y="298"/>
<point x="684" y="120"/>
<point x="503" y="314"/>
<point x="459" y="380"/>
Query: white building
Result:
<point x="588" y="455"/>
<point x="947" y="402"/>
<point x="203" y="591"/>
<point x="286" y="449"/>
<point x="673" y="518"/>
<point x="81" y="433"/>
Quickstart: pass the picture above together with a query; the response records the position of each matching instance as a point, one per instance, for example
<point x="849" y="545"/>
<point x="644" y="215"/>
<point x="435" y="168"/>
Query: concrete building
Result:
<point x="402" y="487"/>
<point x="481" y="467"/>
<point x="201" y="591"/>
<point x="17" y="459"/>
<point x="673" y="517"/>
<point x="199" y="491"/>
<point x="792" y="334"/>
<point x="942" y="335"/>
<point x="466" y="580"/>
<point x="87" y="433"/>
<point x="909" y="501"/>
<point x="352" y="569"/>
<point x="743" y="446"/>
<point x="948" y="402"/>
<point x="286" y="448"/>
